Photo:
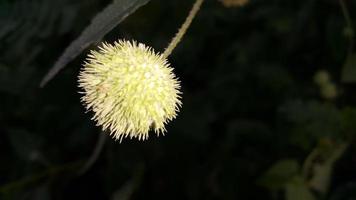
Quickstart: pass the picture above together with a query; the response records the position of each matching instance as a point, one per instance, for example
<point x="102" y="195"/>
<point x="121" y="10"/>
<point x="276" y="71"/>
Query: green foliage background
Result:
<point x="253" y="123"/>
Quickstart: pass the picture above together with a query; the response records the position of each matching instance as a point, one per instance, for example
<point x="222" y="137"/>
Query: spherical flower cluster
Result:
<point x="233" y="3"/>
<point x="130" y="89"/>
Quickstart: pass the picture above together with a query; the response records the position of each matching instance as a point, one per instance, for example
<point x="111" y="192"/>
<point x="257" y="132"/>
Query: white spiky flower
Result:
<point x="130" y="89"/>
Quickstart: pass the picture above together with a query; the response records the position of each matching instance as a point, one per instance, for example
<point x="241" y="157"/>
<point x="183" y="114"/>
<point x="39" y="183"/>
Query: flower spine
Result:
<point x="130" y="89"/>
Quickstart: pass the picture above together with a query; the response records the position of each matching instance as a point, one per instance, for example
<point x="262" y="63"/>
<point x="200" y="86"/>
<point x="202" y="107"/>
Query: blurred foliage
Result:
<point x="253" y="125"/>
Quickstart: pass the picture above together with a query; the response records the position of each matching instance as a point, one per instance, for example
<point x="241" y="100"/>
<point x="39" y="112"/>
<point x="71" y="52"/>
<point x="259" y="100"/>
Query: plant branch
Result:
<point x="349" y="23"/>
<point x="183" y="28"/>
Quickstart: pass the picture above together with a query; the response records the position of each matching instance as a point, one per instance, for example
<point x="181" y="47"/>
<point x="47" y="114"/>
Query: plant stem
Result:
<point x="348" y="24"/>
<point x="95" y="155"/>
<point x="183" y="28"/>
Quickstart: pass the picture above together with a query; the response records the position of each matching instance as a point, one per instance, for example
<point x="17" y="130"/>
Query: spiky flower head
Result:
<point x="130" y="89"/>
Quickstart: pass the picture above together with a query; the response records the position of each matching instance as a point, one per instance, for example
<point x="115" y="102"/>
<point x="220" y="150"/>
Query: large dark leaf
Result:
<point x="105" y="21"/>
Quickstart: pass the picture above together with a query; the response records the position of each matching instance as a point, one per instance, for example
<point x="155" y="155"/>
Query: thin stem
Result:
<point x="346" y="13"/>
<point x="348" y="20"/>
<point x="95" y="155"/>
<point x="183" y="28"/>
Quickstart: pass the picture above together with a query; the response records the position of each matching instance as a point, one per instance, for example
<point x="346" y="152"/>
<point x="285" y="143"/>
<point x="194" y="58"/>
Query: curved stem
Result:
<point x="348" y="24"/>
<point x="95" y="155"/>
<point x="183" y="28"/>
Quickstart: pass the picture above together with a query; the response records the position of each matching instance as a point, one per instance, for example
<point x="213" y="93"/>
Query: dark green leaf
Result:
<point x="105" y="21"/>
<point x="279" y="174"/>
<point x="311" y="120"/>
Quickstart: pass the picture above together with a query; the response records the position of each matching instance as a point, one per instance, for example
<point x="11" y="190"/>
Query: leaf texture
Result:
<point x="102" y="23"/>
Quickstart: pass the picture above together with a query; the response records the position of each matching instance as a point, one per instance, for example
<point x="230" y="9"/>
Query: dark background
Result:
<point x="251" y="113"/>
